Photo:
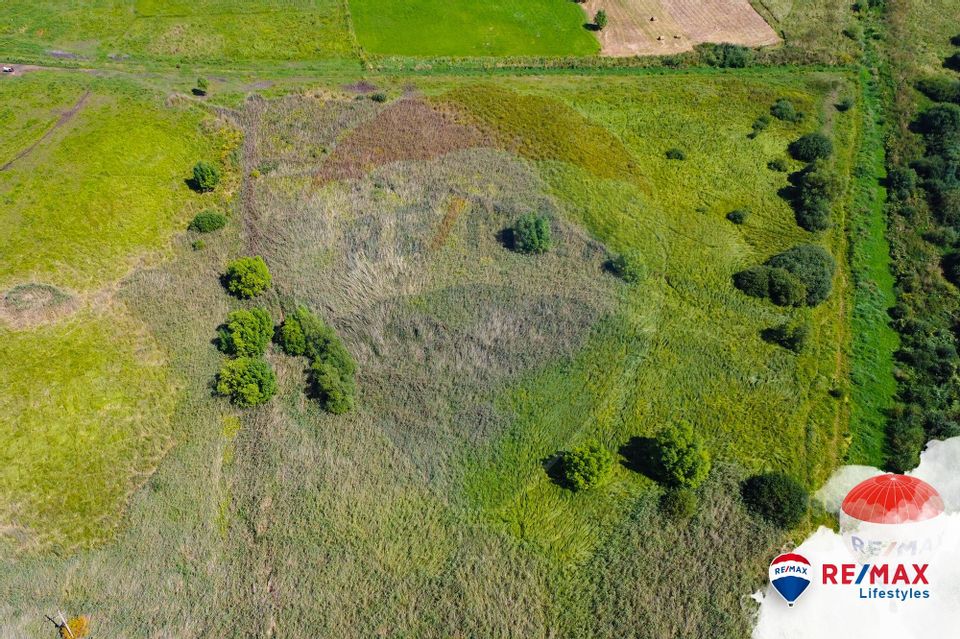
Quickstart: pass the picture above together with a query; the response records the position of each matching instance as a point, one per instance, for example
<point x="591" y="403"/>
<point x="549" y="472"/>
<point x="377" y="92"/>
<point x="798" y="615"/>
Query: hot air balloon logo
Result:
<point x="790" y="575"/>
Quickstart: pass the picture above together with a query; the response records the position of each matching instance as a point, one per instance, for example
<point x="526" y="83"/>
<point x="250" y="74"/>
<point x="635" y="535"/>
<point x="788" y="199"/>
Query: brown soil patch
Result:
<point x="677" y="25"/>
<point x="28" y="305"/>
<point x="408" y="129"/>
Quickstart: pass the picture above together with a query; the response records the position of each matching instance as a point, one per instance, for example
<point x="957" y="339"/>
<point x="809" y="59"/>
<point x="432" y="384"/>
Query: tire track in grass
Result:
<point x="65" y="117"/>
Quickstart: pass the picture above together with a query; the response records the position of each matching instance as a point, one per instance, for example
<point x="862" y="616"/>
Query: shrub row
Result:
<point x="332" y="369"/>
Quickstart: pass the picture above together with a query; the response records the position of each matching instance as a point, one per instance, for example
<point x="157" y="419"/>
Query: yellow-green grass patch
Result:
<point x="84" y="416"/>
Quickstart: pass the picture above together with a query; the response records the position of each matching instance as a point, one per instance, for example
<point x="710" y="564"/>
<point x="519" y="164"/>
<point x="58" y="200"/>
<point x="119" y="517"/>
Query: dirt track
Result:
<point x="64" y="118"/>
<point x="677" y="25"/>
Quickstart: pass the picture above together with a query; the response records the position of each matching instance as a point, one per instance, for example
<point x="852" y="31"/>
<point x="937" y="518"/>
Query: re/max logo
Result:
<point x="875" y="574"/>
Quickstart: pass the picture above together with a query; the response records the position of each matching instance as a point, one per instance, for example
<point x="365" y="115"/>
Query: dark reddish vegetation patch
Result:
<point x="362" y="87"/>
<point x="408" y="129"/>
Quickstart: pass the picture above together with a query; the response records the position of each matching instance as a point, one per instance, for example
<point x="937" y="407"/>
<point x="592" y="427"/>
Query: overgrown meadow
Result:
<point x="426" y="511"/>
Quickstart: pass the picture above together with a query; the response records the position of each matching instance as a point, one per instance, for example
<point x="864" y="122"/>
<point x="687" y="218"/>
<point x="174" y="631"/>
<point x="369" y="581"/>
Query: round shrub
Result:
<point x="675" y="154"/>
<point x="812" y="265"/>
<point x="248" y="381"/>
<point x="334" y="383"/>
<point x="683" y="461"/>
<point x="940" y="126"/>
<point x="248" y="277"/>
<point x="531" y="234"/>
<point x="783" y="109"/>
<point x="629" y="266"/>
<point x="208" y="221"/>
<point x="600" y="19"/>
<point x="678" y="504"/>
<point x="754" y="281"/>
<point x="793" y="335"/>
<point x="738" y="216"/>
<point x="844" y="105"/>
<point x="246" y="333"/>
<point x="810" y="147"/>
<point x="786" y="289"/>
<point x="952" y="62"/>
<point x="776" y="497"/>
<point x="585" y="466"/>
<point x="206" y="176"/>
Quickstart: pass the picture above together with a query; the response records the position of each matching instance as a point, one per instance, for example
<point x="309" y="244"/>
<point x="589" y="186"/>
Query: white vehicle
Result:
<point x="8" y="69"/>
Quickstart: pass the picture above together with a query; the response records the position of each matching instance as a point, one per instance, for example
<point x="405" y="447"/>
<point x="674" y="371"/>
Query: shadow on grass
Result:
<point x="641" y="455"/>
<point x="553" y="466"/>
<point x="506" y="239"/>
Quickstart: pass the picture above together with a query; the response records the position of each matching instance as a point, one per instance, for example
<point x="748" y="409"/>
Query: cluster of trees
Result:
<point x="332" y="368"/>
<point x="800" y="276"/>
<point x="926" y="193"/>
<point x="247" y="378"/>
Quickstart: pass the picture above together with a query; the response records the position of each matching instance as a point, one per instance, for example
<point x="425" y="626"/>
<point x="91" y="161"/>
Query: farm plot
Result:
<point x="427" y="510"/>
<point x="471" y="28"/>
<point x="658" y="27"/>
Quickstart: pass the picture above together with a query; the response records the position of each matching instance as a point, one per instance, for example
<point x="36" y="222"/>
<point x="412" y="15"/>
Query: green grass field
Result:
<point x="472" y="28"/>
<point x="428" y="508"/>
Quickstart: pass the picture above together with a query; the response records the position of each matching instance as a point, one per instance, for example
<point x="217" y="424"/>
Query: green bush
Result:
<point x="678" y="504"/>
<point x="778" y="164"/>
<point x="585" y="466"/>
<point x="776" y="497"/>
<point x="793" y="335"/>
<point x="206" y="176"/>
<point x="600" y="19"/>
<point x="246" y="333"/>
<point x="531" y="234"/>
<point x="378" y="96"/>
<point x="754" y="281"/>
<point x="940" y="89"/>
<point x="202" y="87"/>
<point x="291" y="339"/>
<point x="785" y="289"/>
<point x="940" y="127"/>
<point x="783" y="109"/>
<point x="683" y="461"/>
<point x="629" y="266"/>
<point x="901" y="181"/>
<point x="738" y="216"/>
<point x="248" y="277"/>
<point x="198" y="245"/>
<point x="952" y="62"/>
<point x="675" y="154"/>
<point x="248" y="381"/>
<point x="208" y="221"/>
<point x="725" y="55"/>
<point x="810" y="147"/>
<point x="844" y="105"/>
<point x="759" y="125"/>
<point x="812" y="265"/>
<point x="332" y="369"/>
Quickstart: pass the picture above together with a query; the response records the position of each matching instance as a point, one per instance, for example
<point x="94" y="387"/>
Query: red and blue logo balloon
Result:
<point x="790" y="575"/>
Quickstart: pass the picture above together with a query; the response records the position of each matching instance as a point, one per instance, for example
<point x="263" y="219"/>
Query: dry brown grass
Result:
<point x="658" y="27"/>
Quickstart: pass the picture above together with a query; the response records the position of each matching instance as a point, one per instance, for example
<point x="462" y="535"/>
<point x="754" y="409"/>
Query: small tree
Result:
<point x="600" y="19"/>
<point x="783" y="109"/>
<point x="206" y="176"/>
<point x="738" y="216"/>
<point x="776" y="497"/>
<point x="683" y="461"/>
<point x="585" y="466"/>
<point x="812" y="265"/>
<point x="248" y="381"/>
<point x="208" y="221"/>
<point x="810" y="147"/>
<point x="754" y="281"/>
<point x="202" y="87"/>
<point x="675" y="154"/>
<point x="793" y="335"/>
<point x="629" y="266"/>
<point x="246" y="333"/>
<point x="531" y="234"/>
<point x="248" y="277"/>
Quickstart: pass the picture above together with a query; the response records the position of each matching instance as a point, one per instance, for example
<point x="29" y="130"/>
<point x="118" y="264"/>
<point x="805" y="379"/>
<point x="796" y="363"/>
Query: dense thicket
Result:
<point x="802" y="275"/>
<point x="777" y="497"/>
<point x="332" y="369"/>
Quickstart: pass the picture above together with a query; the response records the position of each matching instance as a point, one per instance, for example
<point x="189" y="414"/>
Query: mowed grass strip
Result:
<point x="84" y="415"/>
<point x="472" y="28"/>
<point x="106" y="186"/>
